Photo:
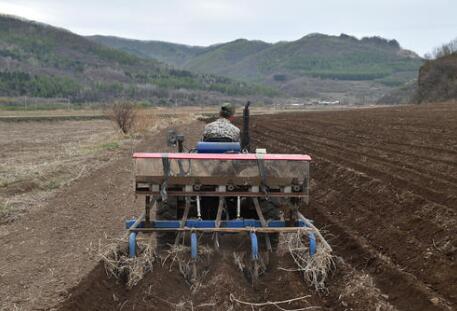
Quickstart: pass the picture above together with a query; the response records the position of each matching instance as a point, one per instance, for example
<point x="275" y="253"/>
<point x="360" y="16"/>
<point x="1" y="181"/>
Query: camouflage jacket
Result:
<point x="221" y="128"/>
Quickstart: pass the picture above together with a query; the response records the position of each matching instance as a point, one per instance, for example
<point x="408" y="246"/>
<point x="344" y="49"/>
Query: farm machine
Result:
<point x="219" y="189"/>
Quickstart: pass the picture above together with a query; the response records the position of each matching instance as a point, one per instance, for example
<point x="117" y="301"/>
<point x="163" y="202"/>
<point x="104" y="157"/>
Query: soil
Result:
<point x="38" y="158"/>
<point x="384" y="191"/>
<point x="165" y="289"/>
<point x="385" y="185"/>
<point x="50" y="250"/>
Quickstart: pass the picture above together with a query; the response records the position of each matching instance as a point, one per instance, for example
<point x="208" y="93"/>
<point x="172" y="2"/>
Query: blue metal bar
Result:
<point x="218" y="147"/>
<point x="194" y="245"/>
<point x="312" y="243"/>
<point x="195" y="223"/>
<point x="254" y="246"/>
<point x="132" y="244"/>
<point x="238" y="223"/>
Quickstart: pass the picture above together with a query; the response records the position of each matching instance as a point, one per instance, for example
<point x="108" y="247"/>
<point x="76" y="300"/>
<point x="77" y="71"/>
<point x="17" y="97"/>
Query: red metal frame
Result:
<point x="223" y="156"/>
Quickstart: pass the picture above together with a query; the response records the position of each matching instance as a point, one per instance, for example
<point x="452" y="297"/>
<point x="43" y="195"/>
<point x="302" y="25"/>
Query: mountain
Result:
<point x="313" y="66"/>
<point x="438" y="79"/>
<point x="212" y="59"/>
<point x="226" y="59"/>
<point x="39" y="60"/>
<point x="170" y="53"/>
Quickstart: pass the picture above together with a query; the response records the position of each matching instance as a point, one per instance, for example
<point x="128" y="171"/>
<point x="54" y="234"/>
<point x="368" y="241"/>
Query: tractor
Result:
<point x="221" y="188"/>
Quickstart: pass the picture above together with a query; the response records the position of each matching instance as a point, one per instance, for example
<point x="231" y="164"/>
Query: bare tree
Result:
<point x="445" y="49"/>
<point x="123" y="114"/>
<point x="428" y="56"/>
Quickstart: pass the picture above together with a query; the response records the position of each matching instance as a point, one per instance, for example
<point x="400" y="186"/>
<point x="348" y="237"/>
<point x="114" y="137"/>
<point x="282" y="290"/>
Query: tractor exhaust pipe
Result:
<point x="245" y="138"/>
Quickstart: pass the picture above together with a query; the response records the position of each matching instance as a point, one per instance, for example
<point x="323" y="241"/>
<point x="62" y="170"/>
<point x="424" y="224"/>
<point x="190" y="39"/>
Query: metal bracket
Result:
<point x="183" y="219"/>
<point x="166" y="173"/>
<point x="147" y="210"/>
<point x="220" y="207"/>
<point x="263" y="174"/>
<point x="254" y="246"/>
<point x="262" y="221"/>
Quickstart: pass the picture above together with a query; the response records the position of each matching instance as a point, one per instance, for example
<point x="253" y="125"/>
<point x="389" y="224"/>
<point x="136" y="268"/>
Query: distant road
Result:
<point x="52" y="118"/>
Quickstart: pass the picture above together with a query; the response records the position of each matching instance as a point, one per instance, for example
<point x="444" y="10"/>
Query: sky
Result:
<point x="419" y="25"/>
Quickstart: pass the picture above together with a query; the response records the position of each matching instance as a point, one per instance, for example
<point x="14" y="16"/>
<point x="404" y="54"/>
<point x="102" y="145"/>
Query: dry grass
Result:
<point x="179" y="256"/>
<point x="245" y="264"/>
<point x="315" y="268"/>
<point x="6" y="210"/>
<point x="239" y="260"/>
<point x="194" y="271"/>
<point x="39" y="157"/>
<point x="359" y="289"/>
<point x="47" y="113"/>
<point x="148" y="120"/>
<point x="119" y="265"/>
<point x="282" y="305"/>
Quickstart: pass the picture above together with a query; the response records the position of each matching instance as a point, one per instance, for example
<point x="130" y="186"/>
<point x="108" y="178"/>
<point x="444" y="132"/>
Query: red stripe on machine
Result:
<point x="223" y="156"/>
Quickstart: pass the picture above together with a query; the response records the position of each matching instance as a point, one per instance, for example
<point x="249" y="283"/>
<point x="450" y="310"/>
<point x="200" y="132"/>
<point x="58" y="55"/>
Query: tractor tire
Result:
<point x="167" y="211"/>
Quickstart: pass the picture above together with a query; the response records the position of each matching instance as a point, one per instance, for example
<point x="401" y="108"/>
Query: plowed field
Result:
<point x="385" y="185"/>
<point x="383" y="191"/>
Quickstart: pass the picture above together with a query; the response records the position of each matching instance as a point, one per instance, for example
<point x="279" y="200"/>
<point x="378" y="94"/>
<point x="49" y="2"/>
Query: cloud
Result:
<point x="18" y="9"/>
<point x="417" y="24"/>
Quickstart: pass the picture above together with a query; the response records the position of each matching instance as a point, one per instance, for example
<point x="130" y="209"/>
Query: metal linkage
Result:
<point x="149" y="204"/>
<point x="250" y="226"/>
<point x="209" y="226"/>
<point x="262" y="221"/>
<point x="234" y="225"/>
<point x="134" y="224"/>
<point x="194" y="253"/>
<point x="132" y="244"/>
<point x="309" y="224"/>
<point x="194" y="245"/>
<point x="220" y="206"/>
<point x="271" y="194"/>
<point x="199" y="210"/>
<point x="254" y="246"/>
<point x="218" y="226"/>
<point x="312" y="243"/>
<point x="147" y="210"/>
<point x="219" y="214"/>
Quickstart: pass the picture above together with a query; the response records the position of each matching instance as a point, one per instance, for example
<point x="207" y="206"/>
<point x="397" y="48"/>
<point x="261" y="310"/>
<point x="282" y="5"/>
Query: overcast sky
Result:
<point x="419" y="25"/>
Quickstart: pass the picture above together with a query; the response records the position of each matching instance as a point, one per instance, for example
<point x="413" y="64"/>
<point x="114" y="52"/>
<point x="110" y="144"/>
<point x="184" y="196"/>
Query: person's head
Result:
<point x="227" y="111"/>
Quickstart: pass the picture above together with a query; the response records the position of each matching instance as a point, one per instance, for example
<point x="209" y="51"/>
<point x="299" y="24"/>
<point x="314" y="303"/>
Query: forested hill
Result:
<point x="43" y="61"/>
<point x="335" y="57"/>
<point x="315" y="65"/>
<point x="438" y="79"/>
<point x="170" y="53"/>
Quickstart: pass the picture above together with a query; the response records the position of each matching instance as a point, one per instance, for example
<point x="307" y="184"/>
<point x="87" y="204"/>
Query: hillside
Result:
<point x="39" y="60"/>
<point x="405" y="94"/>
<point x="438" y="79"/>
<point x="170" y="53"/>
<point x="314" y="66"/>
<point x="226" y="59"/>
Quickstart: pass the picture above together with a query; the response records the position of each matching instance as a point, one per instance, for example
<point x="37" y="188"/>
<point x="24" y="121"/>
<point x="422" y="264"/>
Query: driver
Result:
<point x="222" y="130"/>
